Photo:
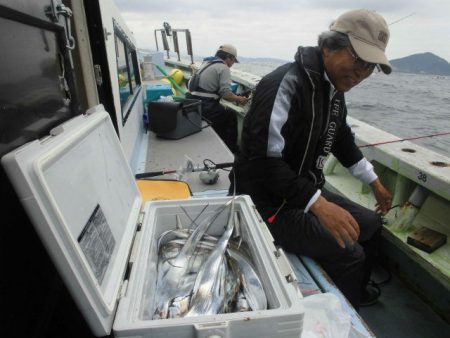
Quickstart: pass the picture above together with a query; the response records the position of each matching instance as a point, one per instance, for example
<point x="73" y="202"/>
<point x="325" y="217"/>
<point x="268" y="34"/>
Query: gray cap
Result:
<point x="230" y="49"/>
<point x="368" y="33"/>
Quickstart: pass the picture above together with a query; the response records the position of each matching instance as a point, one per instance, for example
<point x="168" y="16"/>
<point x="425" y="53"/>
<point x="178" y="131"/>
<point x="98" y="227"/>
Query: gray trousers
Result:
<point x="302" y="233"/>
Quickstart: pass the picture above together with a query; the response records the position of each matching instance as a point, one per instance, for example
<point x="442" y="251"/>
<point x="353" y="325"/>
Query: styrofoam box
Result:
<point x="151" y="60"/>
<point x="84" y="203"/>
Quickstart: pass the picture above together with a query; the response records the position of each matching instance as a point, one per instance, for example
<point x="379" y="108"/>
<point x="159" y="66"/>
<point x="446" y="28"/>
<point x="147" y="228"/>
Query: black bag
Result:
<point x="174" y="120"/>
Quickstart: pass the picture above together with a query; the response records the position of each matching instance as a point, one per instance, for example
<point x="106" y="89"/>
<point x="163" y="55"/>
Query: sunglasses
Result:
<point x="360" y="63"/>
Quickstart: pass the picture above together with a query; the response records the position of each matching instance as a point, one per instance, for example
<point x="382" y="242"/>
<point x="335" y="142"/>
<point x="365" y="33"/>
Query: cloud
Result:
<point x="214" y="8"/>
<point x="383" y="7"/>
<point x="275" y="28"/>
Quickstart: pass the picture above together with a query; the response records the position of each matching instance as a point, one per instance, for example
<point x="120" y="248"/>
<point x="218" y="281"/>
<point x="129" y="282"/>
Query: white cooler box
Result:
<point x="83" y="200"/>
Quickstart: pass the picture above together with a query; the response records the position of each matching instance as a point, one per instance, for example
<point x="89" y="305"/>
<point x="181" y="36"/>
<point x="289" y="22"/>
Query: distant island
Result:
<point x="423" y="63"/>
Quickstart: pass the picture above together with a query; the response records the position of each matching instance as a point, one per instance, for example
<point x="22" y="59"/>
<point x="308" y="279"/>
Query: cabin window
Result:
<point x="127" y="71"/>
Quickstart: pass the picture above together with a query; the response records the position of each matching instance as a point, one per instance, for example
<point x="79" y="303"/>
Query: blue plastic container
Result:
<point x="233" y="87"/>
<point x="154" y="92"/>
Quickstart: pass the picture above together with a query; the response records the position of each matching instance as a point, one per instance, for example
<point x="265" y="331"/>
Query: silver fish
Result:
<point x="232" y="287"/>
<point x="173" y="247"/>
<point x="172" y="271"/>
<point x="251" y="284"/>
<point x="242" y="271"/>
<point x="209" y="294"/>
<point x="209" y="297"/>
<point x="179" y="306"/>
<point x="242" y="304"/>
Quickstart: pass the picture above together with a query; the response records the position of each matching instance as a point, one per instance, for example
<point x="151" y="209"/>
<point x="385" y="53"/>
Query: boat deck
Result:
<point x="399" y="312"/>
<point x="163" y="154"/>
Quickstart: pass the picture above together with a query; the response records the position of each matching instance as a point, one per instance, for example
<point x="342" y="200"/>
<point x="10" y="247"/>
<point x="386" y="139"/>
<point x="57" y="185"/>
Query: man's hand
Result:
<point x="337" y="220"/>
<point x="383" y="197"/>
<point x="241" y="100"/>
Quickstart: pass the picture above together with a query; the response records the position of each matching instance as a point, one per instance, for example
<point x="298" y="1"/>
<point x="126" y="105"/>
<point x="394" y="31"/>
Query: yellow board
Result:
<point x="153" y="190"/>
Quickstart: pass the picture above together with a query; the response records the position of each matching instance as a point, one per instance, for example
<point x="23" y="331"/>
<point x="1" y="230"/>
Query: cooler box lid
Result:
<point x="82" y="198"/>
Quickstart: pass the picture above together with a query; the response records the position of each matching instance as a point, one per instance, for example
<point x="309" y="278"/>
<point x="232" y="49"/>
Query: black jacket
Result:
<point x="290" y="128"/>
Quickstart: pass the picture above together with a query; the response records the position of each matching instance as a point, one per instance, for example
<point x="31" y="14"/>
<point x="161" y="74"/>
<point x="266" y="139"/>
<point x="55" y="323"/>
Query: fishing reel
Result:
<point x="209" y="177"/>
<point x="209" y="173"/>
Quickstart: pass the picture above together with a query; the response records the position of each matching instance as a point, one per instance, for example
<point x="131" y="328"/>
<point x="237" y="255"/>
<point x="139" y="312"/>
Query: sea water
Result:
<point x="405" y="105"/>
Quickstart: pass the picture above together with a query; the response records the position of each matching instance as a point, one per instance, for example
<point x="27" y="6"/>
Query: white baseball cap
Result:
<point x="230" y="49"/>
<point x="368" y="33"/>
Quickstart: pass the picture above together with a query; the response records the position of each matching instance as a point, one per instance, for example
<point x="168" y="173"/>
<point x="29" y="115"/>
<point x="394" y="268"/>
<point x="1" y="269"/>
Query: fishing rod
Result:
<point x="401" y="19"/>
<point x="403" y="139"/>
<point x="208" y="165"/>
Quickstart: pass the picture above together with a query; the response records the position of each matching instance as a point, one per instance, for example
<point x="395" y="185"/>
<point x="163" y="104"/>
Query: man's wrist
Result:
<point x="375" y="184"/>
<point x="313" y="200"/>
<point x="317" y="205"/>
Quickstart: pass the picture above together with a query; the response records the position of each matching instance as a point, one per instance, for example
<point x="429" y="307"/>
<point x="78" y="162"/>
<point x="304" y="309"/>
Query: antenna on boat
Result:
<point x="164" y="38"/>
<point x="167" y="28"/>
<point x="401" y="19"/>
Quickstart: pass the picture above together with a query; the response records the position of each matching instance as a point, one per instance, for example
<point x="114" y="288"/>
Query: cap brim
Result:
<point x="370" y="53"/>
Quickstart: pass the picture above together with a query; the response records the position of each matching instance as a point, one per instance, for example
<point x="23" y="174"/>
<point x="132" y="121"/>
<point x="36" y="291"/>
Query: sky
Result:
<point x="275" y="28"/>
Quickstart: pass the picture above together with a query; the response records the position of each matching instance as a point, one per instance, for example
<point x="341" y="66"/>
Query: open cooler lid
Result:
<point x="82" y="198"/>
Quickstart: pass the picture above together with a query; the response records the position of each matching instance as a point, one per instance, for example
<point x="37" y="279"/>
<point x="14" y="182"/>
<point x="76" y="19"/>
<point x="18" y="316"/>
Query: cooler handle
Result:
<point x="212" y="330"/>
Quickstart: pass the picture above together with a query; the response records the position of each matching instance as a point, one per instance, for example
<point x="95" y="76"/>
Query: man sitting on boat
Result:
<point x="210" y="84"/>
<point x="297" y="117"/>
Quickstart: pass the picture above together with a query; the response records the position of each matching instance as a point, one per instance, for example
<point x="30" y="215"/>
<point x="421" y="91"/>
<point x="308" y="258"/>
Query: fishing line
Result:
<point x="403" y="139"/>
<point x="401" y="19"/>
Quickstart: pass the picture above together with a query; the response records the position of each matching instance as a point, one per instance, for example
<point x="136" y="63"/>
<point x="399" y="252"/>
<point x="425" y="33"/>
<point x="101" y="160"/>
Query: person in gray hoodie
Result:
<point x="212" y="83"/>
